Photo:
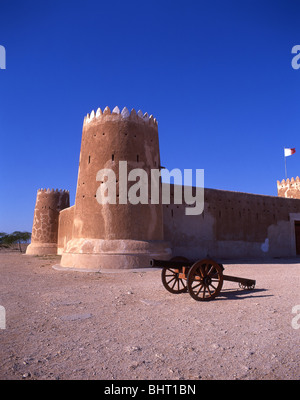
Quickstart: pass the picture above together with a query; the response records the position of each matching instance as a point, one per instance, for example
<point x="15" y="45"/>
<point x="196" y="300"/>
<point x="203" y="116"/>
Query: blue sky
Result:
<point x="216" y="74"/>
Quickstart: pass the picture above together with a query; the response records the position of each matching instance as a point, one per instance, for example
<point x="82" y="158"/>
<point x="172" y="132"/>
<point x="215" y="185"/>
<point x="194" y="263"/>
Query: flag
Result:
<point x="289" y="152"/>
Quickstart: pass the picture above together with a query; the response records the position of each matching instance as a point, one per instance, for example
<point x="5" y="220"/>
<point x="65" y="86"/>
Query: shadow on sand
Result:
<point x="241" y="294"/>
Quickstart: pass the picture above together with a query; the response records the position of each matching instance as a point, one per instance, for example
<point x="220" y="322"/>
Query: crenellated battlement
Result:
<point x="116" y="114"/>
<point x="289" y="188"/>
<point x="53" y="191"/>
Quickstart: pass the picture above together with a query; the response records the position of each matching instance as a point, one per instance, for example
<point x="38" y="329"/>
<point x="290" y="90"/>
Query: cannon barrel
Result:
<point x="170" y="264"/>
<point x="174" y="264"/>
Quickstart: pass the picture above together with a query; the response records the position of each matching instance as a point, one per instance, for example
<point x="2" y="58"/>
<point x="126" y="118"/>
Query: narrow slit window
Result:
<point x="137" y="158"/>
<point x="89" y="159"/>
<point x="112" y="157"/>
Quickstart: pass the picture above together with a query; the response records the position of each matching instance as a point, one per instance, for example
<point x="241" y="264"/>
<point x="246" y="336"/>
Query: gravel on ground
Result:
<point x="125" y="325"/>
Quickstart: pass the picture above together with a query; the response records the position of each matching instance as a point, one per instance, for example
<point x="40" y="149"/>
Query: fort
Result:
<point x="92" y="236"/>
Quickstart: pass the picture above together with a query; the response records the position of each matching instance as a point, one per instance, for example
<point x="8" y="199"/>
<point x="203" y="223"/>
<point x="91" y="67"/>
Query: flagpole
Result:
<point x="285" y="168"/>
<point x="288" y="152"/>
<point x="285" y="164"/>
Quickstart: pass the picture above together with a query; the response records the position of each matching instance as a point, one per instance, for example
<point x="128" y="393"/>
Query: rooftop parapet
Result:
<point x="289" y="188"/>
<point x="288" y="182"/>
<point x="53" y="190"/>
<point x="115" y="114"/>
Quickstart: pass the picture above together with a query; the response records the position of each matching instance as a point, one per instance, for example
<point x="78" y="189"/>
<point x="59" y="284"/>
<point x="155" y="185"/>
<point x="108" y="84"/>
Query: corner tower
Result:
<point x="115" y="236"/>
<point x="289" y="188"/>
<point x="45" y="221"/>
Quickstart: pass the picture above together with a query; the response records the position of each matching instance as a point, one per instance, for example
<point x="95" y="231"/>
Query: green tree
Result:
<point x="7" y="240"/>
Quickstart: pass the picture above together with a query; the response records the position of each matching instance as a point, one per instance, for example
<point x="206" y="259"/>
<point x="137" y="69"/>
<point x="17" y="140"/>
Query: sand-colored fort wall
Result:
<point x="115" y="235"/>
<point x="45" y="221"/>
<point x="94" y="236"/>
<point x="65" y="227"/>
<point x="234" y="225"/>
<point x="289" y="188"/>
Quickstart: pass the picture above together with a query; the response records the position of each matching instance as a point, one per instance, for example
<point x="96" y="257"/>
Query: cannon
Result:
<point x="202" y="279"/>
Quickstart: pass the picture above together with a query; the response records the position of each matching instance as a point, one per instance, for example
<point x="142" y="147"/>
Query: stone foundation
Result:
<point x="96" y="255"/>
<point x="41" y="249"/>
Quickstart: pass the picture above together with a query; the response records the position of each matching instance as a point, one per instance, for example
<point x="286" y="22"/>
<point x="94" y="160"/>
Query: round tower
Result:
<point x="45" y="221"/>
<point x="120" y="235"/>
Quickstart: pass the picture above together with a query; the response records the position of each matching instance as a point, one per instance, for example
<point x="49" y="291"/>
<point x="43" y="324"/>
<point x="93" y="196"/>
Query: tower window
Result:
<point x="112" y="157"/>
<point x="137" y="158"/>
<point x="89" y="159"/>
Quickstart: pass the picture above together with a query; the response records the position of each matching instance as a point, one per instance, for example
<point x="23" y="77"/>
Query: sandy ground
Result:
<point x="71" y="325"/>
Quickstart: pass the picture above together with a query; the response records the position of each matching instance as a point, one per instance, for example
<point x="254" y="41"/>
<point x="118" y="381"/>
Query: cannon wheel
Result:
<point x="171" y="280"/>
<point x="205" y="280"/>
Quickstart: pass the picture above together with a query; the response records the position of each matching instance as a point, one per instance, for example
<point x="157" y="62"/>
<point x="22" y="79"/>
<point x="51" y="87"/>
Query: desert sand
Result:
<point x="125" y="325"/>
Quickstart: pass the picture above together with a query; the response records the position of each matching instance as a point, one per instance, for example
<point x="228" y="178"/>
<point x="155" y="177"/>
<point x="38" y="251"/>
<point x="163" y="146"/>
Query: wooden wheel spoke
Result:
<point x="171" y="270"/>
<point x="170" y="278"/>
<point x="198" y="283"/>
<point x="170" y="275"/>
<point x="174" y="283"/>
<point x="182" y="282"/>
<point x="205" y="280"/>
<point x="207" y="287"/>
<point x="197" y="294"/>
<point x="168" y="282"/>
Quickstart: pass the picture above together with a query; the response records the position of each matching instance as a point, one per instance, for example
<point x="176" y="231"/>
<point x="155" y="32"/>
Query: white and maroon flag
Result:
<point x="289" y="152"/>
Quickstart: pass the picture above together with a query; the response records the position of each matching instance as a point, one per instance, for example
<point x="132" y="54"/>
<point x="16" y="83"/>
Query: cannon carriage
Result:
<point x="202" y="279"/>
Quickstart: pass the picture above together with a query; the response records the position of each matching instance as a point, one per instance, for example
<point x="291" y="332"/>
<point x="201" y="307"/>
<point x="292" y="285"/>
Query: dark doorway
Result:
<point x="297" y="236"/>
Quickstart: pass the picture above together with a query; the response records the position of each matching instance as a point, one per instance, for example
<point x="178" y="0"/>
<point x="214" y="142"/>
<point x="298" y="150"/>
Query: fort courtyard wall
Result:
<point x="234" y="225"/>
<point x="92" y="235"/>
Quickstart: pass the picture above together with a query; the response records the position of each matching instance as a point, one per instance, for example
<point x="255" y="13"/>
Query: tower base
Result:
<point x="41" y="249"/>
<point x="96" y="254"/>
